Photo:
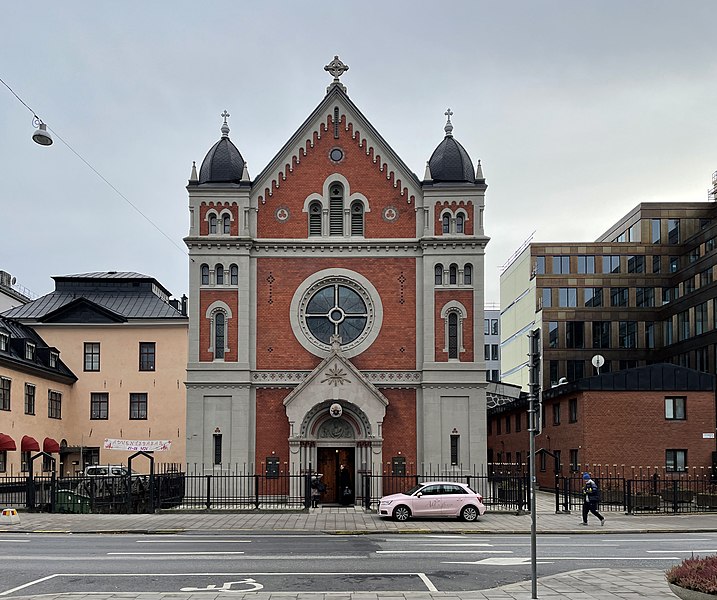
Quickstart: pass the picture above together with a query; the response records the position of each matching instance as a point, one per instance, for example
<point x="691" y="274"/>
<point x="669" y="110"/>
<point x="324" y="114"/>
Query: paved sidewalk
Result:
<point x="590" y="584"/>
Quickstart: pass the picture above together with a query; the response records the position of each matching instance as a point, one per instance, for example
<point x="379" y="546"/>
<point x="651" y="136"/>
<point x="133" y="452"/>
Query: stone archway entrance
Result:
<point x="329" y="461"/>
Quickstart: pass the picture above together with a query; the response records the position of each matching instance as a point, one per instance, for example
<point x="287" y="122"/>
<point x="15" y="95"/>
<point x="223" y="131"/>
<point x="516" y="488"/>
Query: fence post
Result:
<point x="675" y="504"/>
<point x="53" y="489"/>
<point x="366" y="491"/>
<point x="256" y="492"/>
<point x="566" y="495"/>
<point x="307" y="489"/>
<point x="629" y="496"/>
<point x="209" y="492"/>
<point x="557" y="494"/>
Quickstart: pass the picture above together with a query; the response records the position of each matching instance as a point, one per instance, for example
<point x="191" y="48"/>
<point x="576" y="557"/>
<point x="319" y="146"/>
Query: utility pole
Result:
<point x="534" y="410"/>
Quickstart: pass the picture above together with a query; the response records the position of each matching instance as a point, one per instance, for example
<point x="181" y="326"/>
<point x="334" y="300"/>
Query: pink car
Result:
<point x="434" y="499"/>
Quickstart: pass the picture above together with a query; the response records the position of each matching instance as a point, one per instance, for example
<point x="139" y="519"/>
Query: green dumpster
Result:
<point x="67" y="501"/>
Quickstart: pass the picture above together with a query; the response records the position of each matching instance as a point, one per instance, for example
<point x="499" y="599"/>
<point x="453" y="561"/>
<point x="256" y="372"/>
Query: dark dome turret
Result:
<point x="223" y="163"/>
<point x="450" y="161"/>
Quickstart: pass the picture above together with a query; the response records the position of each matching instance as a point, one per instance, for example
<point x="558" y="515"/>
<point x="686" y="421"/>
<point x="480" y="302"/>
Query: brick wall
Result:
<point x="206" y="298"/>
<point x="218" y="206"/>
<point x="399" y="427"/>
<point x="272" y="428"/>
<point x="465" y="297"/>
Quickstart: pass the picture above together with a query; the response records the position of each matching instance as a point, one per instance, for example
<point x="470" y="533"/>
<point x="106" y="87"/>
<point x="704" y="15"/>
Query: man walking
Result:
<point x="591" y="495"/>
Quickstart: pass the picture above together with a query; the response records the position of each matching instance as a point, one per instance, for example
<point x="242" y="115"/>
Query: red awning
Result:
<point x="29" y="444"/>
<point x="49" y="445"/>
<point x="7" y="443"/>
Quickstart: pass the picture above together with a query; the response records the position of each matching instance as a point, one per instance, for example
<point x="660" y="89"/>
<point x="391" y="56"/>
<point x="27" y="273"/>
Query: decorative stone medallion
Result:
<point x="282" y="214"/>
<point x="336" y="155"/>
<point x="390" y="214"/>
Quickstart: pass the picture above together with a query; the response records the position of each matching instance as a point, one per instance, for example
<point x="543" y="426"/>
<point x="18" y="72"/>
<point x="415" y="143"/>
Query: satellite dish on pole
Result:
<point x="598" y="361"/>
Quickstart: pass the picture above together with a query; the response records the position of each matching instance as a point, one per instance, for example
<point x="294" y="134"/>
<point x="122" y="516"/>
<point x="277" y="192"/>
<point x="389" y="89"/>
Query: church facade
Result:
<point x="336" y="304"/>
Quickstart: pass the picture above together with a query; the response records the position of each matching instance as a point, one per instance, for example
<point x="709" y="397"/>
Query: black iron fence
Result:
<point x="674" y="493"/>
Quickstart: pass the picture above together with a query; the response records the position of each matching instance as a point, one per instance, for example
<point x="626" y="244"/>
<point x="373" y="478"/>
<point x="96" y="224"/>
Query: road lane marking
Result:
<point x="461" y="545"/>
<point x="15" y="541"/>
<point x="26" y="585"/>
<point x="550" y="559"/>
<point x="427" y="582"/>
<point x="164" y="556"/>
<point x="443" y="552"/>
<point x="680" y="551"/>
<point x="192" y="541"/>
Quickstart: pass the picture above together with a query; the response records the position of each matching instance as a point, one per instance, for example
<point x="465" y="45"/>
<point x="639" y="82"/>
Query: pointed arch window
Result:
<point x="357" y="218"/>
<point x="468" y="274"/>
<point x="219" y="274"/>
<point x="220" y="324"/>
<point x="446" y="220"/>
<point x="226" y="224"/>
<point x="460" y="221"/>
<point x="315" y="218"/>
<point x="234" y="275"/>
<point x="453" y="274"/>
<point x="336" y="209"/>
<point x="438" y="274"/>
<point x="212" y="223"/>
<point x="205" y="274"/>
<point x="453" y="335"/>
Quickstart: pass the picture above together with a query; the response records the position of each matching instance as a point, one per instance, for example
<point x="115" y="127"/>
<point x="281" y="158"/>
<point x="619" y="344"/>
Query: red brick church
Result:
<point x="336" y="303"/>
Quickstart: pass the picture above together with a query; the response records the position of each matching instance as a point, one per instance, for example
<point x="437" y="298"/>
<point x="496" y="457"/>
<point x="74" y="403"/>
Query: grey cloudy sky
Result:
<point x="578" y="111"/>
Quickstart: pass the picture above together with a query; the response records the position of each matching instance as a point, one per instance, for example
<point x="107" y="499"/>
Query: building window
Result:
<point x="702" y="360"/>
<point x="635" y="264"/>
<point x="226" y="224"/>
<point x="99" y="406"/>
<point x="212" y="223"/>
<point x="495" y="375"/>
<point x="446" y="223"/>
<point x="694" y="254"/>
<point x="4" y="393"/>
<point x="92" y="356"/>
<point x="336" y="209"/>
<point x="645" y="297"/>
<point x="146" y="356"/>
<point x="539" y="265"/>
<point x="219" y="274"/>
<point x="3" y="461"/>
<point x="689" y="285"/>
<point x="700" y="318"/>
<point x="29" y="351"/>
<point x="54" y="404"/>
<point x="601" y="334"/>
<point x="709" y="245"/>
<point x="675" y="460"/>
<point x="655" y="231"/>
<point x="673" y="231"/>
<point x="676" y="408"/>
<point x="233" y="275"/>
<point x="467" y="274"/>
<point x="627" y="334"/>
<point x="649" y="334"/>
<point x="586" y="264"/>
<point x="611" y="264"/>
<point x="593" y="297"/>
<point x="486" y="351"/>
<point x="541" y="462"/>
<point x="575" y="369"/>
<point x="674" y="264"/>
<point x="205" y="274"/>
<point x="218" y="450"/>
<point x="455" y="438"/>
<point x="507" y="423"/>
<point x="25" y="461"/>
<point x="498" y="426"/>
<point x="561" y="265"/>
<point x="706" y="277"/>
<point x="219" y="334"/>
<point x="553" y="339"/>
<point x="453" y="274"/>
<point x="4" y="338"/>
<point x="138" y="406"/>
<point x="554" y="374"/>
<point x="574" y="462"/>
<point x="618" y="296"/>
<point x="438" y="275"/>
<point x="494" y="352"/>
<point x="357" y="218"/>
<point x="556" y="413"/>
<point x="668" y="332"/>
<point x="683" y="325"/>
<point x="573" y="410"/>
<point x="518" y="424"/>
<point x="29" y="399"/>
<point x="460" y="220"/>
<point x="547" y="297"/>
<point x="315" y="219"/>
<point x="567" y="297"/>
<point x="574" y="334"/>
<point x="657" y="264"/>
<point x="494" y="326"/>
<point x="486" y="325"/>
<point x="453" y="335"/>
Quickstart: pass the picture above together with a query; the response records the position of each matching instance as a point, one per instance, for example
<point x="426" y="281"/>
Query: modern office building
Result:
<point x="491" y="342"/>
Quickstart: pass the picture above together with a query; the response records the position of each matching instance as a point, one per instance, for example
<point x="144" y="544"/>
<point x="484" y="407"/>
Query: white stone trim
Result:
<point x="212" y="309"/>
<point x="453" y="306"/>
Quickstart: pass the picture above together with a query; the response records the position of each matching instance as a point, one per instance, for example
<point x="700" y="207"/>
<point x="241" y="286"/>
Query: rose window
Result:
<point x="336" y="310"/>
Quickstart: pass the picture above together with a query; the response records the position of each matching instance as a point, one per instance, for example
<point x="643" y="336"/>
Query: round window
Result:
<point x="336" y="154"/>
<point x="336" y="310"/>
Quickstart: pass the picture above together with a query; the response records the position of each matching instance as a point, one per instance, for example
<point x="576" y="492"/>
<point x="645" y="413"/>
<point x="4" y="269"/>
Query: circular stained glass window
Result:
<point x="336" y="154"/>
<point x="336" y="310"/>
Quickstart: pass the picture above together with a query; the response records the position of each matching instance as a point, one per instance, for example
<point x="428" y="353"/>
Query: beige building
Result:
<point x="126" y="342"/>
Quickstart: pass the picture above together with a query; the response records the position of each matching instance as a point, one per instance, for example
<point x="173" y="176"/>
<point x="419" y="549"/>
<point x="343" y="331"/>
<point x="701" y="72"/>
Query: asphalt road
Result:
<point x="297" y="562"/>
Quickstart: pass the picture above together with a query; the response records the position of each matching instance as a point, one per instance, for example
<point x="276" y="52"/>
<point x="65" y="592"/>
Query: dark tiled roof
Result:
<point x="450" y="162"/>
<point x="222" y="164"/>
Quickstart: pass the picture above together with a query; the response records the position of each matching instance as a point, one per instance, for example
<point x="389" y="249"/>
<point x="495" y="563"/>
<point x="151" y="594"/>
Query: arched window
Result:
<point x="438" y="274"/>
<point x="234" y="275"/>
<point x="212" y="223"/>
<point x="205" y="274"/>
<point x="460" y="220"/>
<point x="219" y="334"/>
<point x="357" y="218"/>
<point x="226" y="224"/>
<point x="446" y="223"/>
<point x="453" y="334"/>
<point x="315" y="218"/>
<point x="219" y="274"/>
<point x="336" y="209"/>
<point x="453" y="274"/>
<point x="468" y="274"/>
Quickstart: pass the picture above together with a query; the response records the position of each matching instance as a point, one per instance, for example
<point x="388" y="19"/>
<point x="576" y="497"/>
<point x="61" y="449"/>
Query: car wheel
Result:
<point x="401" y="513"/>
<point x="469" y="513"/>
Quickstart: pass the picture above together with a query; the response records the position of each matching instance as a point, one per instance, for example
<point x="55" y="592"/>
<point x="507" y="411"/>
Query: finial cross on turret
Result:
<point x="225" y="114"/>
<point x="225" y="126"/>
<point x="336" y="68"/>
<point x="449" y="126"/>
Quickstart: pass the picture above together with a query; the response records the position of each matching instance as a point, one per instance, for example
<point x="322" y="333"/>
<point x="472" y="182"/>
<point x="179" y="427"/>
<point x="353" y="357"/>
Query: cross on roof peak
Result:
<point x="449" y="126"/>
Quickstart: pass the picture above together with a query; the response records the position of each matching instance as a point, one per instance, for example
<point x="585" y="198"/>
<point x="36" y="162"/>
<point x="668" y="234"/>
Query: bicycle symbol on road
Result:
<point x="252" y="586"/>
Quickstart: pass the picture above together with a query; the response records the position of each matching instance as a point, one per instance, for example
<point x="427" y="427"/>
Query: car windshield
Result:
<point x="413" y="490"/>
